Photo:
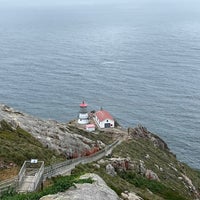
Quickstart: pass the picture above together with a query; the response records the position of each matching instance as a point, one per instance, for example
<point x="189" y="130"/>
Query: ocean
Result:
<point x="140" y="60"/>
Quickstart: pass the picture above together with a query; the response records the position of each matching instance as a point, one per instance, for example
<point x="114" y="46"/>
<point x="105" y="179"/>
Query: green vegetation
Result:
<point x="117" y="183"/>
<point x="131" y="181"/>
<point x="154" y="186"/>
<point x="169" y="187"/>
<point x="60" y="184"/>
<point x="159" y="159"/>
<point x="16" y="145"/>
<point x="105" y="137"/>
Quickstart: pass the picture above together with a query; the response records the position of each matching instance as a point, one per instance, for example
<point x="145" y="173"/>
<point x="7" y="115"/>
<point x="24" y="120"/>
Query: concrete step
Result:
<point x="27" y="185"/>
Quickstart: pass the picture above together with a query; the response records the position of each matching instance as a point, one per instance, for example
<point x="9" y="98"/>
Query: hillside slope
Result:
<point x="142" y="165"/>
<point x="16" y="146"/>
<point x="50" y="133"/>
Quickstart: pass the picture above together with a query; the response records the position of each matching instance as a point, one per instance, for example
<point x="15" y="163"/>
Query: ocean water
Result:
<point x="140" y="60"/>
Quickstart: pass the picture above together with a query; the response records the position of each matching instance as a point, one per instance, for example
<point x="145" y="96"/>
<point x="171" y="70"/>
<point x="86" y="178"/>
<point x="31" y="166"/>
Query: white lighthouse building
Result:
<point x="83" y="117"/>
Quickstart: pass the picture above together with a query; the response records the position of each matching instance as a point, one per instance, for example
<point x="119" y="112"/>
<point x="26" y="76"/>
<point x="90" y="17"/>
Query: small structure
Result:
<point x="30" y="176"/>
<point x="90" y="127"/>
<point x="83" y="117"/>
<point x="104" y="119"/>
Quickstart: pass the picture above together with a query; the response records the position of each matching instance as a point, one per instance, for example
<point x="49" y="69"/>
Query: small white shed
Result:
<point x="90" y="127"/>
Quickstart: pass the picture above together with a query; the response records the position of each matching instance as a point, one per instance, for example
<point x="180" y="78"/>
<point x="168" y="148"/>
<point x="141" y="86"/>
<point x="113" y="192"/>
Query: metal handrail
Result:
<point x="55" y="169"/>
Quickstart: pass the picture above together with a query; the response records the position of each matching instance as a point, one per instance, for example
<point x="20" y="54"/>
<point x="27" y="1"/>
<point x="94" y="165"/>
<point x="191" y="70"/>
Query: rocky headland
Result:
<point x="50" y="133"/>
<point x="140" y="167"/>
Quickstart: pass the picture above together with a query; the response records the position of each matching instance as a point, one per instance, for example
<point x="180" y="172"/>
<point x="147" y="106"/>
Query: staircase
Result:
<point x="30" y="176"/>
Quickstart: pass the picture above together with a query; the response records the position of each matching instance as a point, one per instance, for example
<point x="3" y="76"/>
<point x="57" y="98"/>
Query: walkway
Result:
<point x="55" y="170"/>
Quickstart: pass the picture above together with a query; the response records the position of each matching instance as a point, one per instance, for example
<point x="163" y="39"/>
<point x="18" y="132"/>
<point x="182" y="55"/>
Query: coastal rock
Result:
<point x="96" y="166"/>
<point x="121" y="164"/>
<point x="130" y="196"/>
<point x="151" y="175"/>
<point x="110" y="170"/>
<point x="188" y="183"/>
<point x="101" y="162"/>
<point x="98" y="190"/>
<point x="50" y="133"/>
<point x="142" y="169"/>
<point x="142" y="132"/>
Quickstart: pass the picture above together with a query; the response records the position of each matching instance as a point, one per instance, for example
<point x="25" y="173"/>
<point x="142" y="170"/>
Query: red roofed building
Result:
<point x="104" y="119"/>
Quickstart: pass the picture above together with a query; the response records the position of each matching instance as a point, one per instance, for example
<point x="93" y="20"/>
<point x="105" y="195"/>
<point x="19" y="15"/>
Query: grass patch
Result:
<point x="154" y="186"/>
<point x="116" y="183"/>
<point x="105" y="137"/>
<point x="60" y="184"/>
<point x="17" y="145"/>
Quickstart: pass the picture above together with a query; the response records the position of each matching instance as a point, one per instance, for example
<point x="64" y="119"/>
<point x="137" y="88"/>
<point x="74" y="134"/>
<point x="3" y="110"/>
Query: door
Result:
<point x="107" y="125"/>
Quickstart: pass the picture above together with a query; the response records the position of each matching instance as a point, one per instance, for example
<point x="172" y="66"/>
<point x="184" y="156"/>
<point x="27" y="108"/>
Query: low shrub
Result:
<point x="156" y="187"/>
<point x="60" y="184"/>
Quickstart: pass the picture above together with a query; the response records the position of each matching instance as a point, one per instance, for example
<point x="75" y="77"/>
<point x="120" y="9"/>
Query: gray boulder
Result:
<point x="142" y="132"/>
<point x="110" y="170"/>
<point x="95" y="191"/>
<point x="130" y="196"/>
<point x="151" y="175"/>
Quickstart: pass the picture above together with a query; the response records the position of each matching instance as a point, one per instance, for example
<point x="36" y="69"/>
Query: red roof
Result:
<point x="103" y="114"/>
<point x="83" y="104"/>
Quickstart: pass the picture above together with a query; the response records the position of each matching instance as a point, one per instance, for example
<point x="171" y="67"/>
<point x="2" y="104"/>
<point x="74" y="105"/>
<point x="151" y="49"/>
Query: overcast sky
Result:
<point x="192" y="5"/>
<point x="80" y="2"/>
<point x="54" y="2"/>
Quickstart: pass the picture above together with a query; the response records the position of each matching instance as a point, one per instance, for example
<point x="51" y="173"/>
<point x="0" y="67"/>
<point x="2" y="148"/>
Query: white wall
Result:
<point x="90" y="129"/>
<point x="102" y="124"/>
<point x="83" y="116"/>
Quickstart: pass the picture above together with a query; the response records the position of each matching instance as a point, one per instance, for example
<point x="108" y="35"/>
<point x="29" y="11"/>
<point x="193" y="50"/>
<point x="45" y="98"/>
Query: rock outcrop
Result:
<point x="142" y="132"/>
<point x="130" y="196"/>
<point x="98" y="190"/>
<point x="110" y="170"/>
<point x="121" y="164"/>
<point x="50" y="133"/>
<point x="151" y="175"/>
<point x="126" y="164"/>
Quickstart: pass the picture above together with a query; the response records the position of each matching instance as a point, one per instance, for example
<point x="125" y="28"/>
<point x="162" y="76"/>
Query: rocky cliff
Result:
<point x="140" y="167"/>
<point x="50" y="133"/>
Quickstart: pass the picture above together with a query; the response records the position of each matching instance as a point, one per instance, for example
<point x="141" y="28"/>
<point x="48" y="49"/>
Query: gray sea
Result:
<point x="140" y="60"/>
